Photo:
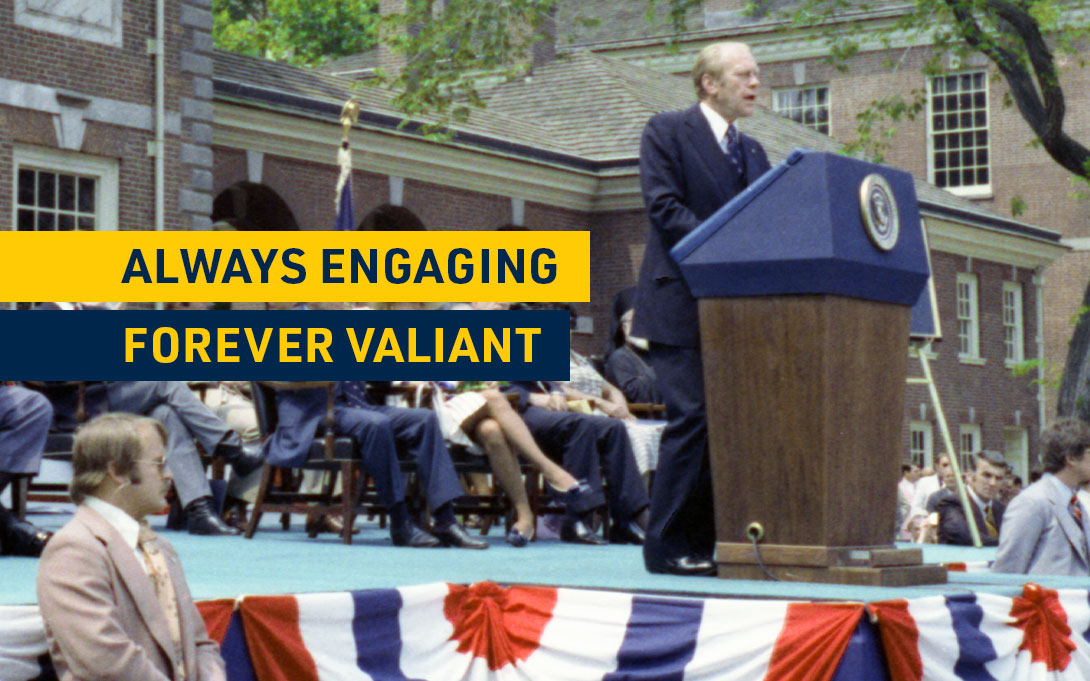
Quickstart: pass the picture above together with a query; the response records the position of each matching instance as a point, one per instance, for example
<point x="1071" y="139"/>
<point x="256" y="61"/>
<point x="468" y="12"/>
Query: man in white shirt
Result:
<point x="928" y="485"/>
<point x="112" y="593"/>
<point x="1045" y="528"/>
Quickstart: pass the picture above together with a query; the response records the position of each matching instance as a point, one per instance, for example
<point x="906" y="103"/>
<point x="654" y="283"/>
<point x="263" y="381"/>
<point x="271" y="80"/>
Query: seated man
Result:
<point x="582" y="443"/>
<point x="1044" y="532"/>
<point x="186" y="419"/>
<point x="24" y="423"/>
<point x="380" y="431"/>
<point x="112" y="593"/>
<point x="989" y="468"/>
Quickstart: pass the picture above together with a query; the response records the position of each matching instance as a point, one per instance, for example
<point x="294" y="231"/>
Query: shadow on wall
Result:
<point x="390" y="218"/>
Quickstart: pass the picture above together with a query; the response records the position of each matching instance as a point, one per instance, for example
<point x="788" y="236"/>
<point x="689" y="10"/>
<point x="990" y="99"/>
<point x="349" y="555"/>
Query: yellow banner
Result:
<point x="310" y="266"/>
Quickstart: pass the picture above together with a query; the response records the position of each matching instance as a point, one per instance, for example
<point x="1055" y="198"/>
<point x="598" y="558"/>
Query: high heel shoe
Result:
<point x="518" y="539"/>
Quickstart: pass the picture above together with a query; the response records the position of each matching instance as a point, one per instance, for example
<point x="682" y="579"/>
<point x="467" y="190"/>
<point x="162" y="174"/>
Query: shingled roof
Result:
<point x="583" y="110"/>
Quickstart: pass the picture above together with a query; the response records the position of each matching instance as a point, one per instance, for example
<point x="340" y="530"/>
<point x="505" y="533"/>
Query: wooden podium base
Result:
<point x="861" y="566"/>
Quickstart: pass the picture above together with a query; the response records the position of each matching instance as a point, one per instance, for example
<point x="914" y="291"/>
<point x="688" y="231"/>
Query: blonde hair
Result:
<point x="711" y="62"/>
<point x="109" y="439"/>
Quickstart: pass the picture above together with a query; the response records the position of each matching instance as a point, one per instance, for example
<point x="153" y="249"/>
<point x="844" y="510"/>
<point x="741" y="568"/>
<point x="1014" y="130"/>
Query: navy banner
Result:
<point x="286" y="345"/>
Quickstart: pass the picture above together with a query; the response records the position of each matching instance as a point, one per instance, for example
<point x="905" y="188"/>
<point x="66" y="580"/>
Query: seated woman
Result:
<point x="481" y="418"/>
<point x="627" y="367"/>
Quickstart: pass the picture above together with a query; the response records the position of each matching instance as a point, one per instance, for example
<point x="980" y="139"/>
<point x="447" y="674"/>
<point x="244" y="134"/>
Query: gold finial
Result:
<point x="349" y="114"/>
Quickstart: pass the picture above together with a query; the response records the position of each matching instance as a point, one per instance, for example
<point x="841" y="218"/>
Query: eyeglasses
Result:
<point x="161" y="464"/>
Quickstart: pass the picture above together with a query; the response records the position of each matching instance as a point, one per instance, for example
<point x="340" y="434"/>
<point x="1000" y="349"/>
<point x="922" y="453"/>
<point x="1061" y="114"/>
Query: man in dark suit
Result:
<point x="691" y="163"/>
<point x="989" y="469"/>
<point x="380" y="432"/>
<point x="24" y="424"/>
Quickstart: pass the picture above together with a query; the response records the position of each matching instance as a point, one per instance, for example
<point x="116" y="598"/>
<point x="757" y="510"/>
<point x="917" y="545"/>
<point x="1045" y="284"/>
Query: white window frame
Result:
<point x="1014" y="331"/>
<point x="920" y="448"/>
<point x="969" y="444"/>
<point x="103" y="170"/>
<point x="1016" y="450"/>
<point x="785" y="112"/>
<point x="968" y="316"/>
<point x="974" y="190"/>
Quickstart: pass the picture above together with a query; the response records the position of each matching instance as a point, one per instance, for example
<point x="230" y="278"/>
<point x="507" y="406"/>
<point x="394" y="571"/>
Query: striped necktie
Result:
<point x="1076" y="509"/>
<point x="989" y="522"/>
<point x="732" y="145"/>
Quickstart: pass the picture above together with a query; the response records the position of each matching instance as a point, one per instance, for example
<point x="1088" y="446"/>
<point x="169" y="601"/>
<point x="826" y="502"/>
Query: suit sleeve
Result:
<point x="662" y="182"/>
<point x="80" y="613"/>
<point x="953" y="527"/>
<point x="210" y="666"/>
<point x="1023" y="525"/>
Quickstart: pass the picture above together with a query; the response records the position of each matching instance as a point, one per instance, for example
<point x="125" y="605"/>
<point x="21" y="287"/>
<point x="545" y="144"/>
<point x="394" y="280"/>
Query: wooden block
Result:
<point x="856" y="576"/>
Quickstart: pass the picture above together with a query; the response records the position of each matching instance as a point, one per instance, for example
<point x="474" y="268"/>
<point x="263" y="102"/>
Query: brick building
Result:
<point x="555" y="151"/>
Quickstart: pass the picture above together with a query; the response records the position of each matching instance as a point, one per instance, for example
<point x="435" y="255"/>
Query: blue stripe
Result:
<point x="377" y="631"/>
<point x="1086" y="634"/>
<point x="235" y="652"/>
<point x="660" y="640"/>
<point x="974" y="647"/>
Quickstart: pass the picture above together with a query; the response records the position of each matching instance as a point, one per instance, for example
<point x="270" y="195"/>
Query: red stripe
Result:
<point x="812" y="641"/>
<point x="271" y="625"/>
<point x="900" y="640"/>
<point x="216" y="615"/>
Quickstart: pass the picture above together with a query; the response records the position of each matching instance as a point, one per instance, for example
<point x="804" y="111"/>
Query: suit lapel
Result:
<point x="703" y="142"/>
<point x="1075" y="536"/>
<point x="137" y="582"/>
<point x="755" y="165"/>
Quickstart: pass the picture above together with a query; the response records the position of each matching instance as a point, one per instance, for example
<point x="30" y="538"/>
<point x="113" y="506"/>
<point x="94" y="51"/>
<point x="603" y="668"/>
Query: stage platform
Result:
<point x="288" y="562"/>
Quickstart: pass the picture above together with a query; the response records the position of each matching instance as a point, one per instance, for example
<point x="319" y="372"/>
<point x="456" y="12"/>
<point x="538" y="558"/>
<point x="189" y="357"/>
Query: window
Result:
<point x="63" y="191"/>
<point x="958" y="133"/>
<point x="1012" y="321"/>
<point x="919" y="447"/>
<point x="1016" y="451"/>
<point x="970" y="445"/>
<point x="968" y="328"/>
<point x="808" y="105"/>
<point x="98" y="21"/>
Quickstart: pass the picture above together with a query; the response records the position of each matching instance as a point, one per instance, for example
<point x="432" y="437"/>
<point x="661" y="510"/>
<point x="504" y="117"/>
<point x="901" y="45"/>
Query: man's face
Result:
<point x="944" y="467"/>
<point x="913" y="473"/>
<point x="986" y="479"/>
<point x="734" y="94"/>
<point x="149" y="495"/>
<point x="1081" y="466"/>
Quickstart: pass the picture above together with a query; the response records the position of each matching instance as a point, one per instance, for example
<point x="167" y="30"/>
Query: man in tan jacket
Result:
<point x="111" y="592"/>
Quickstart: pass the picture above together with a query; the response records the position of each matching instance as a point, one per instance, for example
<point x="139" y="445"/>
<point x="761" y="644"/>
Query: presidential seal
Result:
<point x="879" y="209"/>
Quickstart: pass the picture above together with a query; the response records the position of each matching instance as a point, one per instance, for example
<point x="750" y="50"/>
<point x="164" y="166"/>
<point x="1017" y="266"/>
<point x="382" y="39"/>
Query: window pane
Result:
<point x="26" y="187"/>
<point x="25" y="221"/>
<point x="66" y="223"/>
<point x="66" y="194"/>
<point x="46" y="221"/>
<point x="86" y="223"/>
<point x="47" y="190"/>
<point x="982" y="176"/>
<point x="86" y="195"/>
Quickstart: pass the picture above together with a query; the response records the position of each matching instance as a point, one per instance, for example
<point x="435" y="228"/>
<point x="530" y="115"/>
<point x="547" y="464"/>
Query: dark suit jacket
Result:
<point x="685" y="178"/>
<point x="954" y="529"/>
<point x="102" y="617"/>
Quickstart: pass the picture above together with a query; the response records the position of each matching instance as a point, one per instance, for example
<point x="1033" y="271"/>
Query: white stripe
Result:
<point x="426" y="649"/>
<point x="325" y="623"/>
<point x="736" y="639"/>
<point x="1074" y="602"/>
<point x="22" y="640"/>
<point x="937" y="644"/>
<point x="1006" y="639"/>
<point x="583" y="637"/>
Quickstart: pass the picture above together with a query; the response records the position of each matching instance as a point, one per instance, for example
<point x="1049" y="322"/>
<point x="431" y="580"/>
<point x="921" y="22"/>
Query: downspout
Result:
<point x="1039" y="283"/>
<point x="160" y="114"/>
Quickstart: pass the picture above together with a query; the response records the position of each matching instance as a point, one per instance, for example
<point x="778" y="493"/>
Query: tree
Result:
<point x="303" y="32"/>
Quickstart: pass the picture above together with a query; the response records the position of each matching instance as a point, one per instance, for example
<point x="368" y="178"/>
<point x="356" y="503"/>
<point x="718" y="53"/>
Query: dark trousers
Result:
<point x="583" y="444"/>
<point x="682" y="518"/>
<point x="414" y="433"/>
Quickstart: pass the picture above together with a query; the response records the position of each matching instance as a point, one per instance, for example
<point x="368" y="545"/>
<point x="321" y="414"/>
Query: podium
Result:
<point x="805" y="282"/>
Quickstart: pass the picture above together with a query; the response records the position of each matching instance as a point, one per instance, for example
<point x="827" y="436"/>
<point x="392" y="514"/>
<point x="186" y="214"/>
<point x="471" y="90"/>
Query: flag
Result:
<point x="446" y="632"/>
<point x="1041" y="635"/>
<point x="345" y="218"/>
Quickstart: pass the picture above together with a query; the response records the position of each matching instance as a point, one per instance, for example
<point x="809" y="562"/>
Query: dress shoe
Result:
<point x="518" y="539"/>
<point x="627" y="533"/>
<point x="201" y="519"/>
<point x="575" y="498"/>
<point x="455" y="535"/>
<point x="318" y="523"/>
<point x="20" y="538"/>
<point x="686" y="566"/>
<point x="575" y="531"/>
<point x="412" y="536"/>
<point x="244" y="459"/>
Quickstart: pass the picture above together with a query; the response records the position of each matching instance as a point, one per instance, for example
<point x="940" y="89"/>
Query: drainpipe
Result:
<point x="1039" y="283"/>
<point x="160" y="114"/>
